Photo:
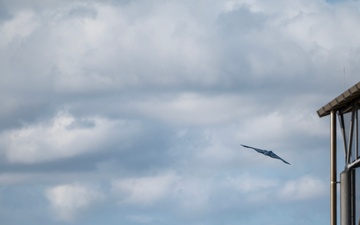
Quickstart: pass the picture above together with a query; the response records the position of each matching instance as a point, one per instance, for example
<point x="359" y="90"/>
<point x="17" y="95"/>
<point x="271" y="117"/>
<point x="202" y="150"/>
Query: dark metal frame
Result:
<point x="351" y="143"/>
<point x="352" y="161"/>
<point x="346" y="104"/>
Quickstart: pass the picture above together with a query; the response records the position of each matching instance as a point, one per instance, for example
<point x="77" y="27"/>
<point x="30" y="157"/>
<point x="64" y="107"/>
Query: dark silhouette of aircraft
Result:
<point x="267" y="153"/>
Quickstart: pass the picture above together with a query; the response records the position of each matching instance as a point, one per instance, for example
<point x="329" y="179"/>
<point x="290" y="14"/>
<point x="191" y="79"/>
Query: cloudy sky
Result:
<point x="133" y="112"/>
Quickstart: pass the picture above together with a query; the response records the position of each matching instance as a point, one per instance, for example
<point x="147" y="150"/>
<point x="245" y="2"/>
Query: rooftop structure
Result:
<point x="346" y="107"/>
<point x="344" y="100"/>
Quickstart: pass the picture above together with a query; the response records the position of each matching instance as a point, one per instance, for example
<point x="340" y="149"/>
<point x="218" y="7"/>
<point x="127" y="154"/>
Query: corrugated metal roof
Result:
<point x="342" y="101"/>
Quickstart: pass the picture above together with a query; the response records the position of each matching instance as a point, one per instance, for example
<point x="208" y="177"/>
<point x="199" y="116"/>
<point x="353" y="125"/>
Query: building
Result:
<point x="345" y="109"/>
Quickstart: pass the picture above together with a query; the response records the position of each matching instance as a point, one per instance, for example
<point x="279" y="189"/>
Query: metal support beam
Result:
<point x="350" y="156"/>
<point x="356" y="134"/>
<point x="353" y="197"/>
<point x="342" y="126"/>
<point x="345" y="198"/>
<point x="333" y="198"/>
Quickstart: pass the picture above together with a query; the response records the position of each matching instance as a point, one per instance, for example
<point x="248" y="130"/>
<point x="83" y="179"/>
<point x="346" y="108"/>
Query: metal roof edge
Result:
<point x="341" y="101"/>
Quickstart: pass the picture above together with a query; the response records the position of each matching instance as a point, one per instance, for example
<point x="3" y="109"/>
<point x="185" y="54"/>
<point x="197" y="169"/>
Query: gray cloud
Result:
<point x="150" y="101"/>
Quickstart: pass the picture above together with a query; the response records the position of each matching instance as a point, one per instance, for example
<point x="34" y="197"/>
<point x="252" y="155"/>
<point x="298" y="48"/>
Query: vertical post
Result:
<point x="333" y="202"/>
<point x="353" y="196"/>
<point x="345" y="198"/>
<point x="356" y="133"/>
<point x="349" y="151"/>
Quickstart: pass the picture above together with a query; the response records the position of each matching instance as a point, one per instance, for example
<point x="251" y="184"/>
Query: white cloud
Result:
<point x="311" y="26"/>
<point x="85" y="61"/>
<point x="195" y="109"/>
<point x="269" y="126"/>
<point x="214" y="153"/>
<point x="217" y="73"/>
<point x="145" y="190"/>
<point x="247" y="183"/>
<point x="277" y="128"/>
<point x="303" y="188"/>
<point x="18" y="28"/>
<point x="186" y="193"/>
<point x="70" y="199"/>
<point x="193" y="194"/>
<point x="62" y="137"/>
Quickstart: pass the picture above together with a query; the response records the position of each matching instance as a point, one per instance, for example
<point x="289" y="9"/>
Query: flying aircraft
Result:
<point x="267" y="153"/>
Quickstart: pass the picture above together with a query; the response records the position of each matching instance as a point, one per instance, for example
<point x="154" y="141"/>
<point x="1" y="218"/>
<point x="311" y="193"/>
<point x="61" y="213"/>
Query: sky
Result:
<point x="134" y="112"/>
